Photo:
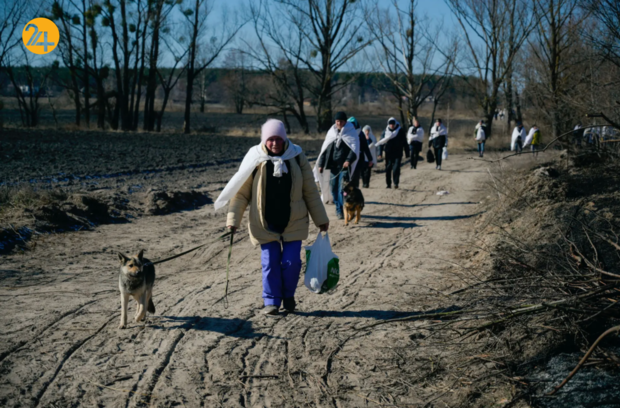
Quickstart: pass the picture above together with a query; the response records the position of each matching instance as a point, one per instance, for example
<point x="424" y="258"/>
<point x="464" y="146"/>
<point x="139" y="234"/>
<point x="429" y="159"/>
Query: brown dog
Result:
<point x="353" y="203"/>
<point x="136" y="279"/>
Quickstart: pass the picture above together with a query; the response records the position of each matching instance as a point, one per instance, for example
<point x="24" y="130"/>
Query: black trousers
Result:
<point x="438" y="143"/>
<point x="392" y="166"/>
<point x="366" y="173"/>
<point x="414" y="150"/>
<point x="359" y="168"/>
<point x="438" y="152"/>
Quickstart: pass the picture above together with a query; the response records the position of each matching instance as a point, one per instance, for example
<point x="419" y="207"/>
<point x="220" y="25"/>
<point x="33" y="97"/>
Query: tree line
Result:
<point x="561" y="57"/>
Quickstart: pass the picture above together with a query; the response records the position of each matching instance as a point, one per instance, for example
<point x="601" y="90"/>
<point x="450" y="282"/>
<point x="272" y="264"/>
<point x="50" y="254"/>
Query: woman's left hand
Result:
<point x="324" y="227"/>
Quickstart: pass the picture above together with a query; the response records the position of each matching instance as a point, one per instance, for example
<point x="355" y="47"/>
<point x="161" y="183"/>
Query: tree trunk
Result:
<point x="301" y="118"/>
<point x="287" y="125"/>
<point x="324" y="109"/>
<point x="188" y="100"/>
<point x="86" y="76"/>
<point x="149" y="111"/>
<point x="400" y="110"/>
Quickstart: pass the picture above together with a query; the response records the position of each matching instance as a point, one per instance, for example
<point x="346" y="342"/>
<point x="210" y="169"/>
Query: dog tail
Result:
<point x="151" y="306"/>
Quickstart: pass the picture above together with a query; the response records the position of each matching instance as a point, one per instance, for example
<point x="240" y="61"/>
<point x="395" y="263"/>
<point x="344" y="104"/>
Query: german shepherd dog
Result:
<point x="353" y="203"/>
<point x="136" y="280"/>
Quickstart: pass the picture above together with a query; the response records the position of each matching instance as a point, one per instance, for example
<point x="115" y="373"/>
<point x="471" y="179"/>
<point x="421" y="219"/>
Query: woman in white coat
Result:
<point x="518" y="138"/>
<point x="415" y="138"/>
<point x="438" y="139"/>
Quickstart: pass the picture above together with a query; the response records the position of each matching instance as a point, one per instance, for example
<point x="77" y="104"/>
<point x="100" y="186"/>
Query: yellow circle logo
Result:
<point x="40" y="36"/>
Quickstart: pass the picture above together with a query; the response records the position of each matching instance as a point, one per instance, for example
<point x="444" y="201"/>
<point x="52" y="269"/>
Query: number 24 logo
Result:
<point x="44" y="34"/>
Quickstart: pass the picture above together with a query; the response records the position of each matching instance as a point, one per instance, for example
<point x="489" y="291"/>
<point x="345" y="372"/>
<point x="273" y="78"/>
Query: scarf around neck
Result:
<point x="389" y="133"/>
<point x="255" y="156"/>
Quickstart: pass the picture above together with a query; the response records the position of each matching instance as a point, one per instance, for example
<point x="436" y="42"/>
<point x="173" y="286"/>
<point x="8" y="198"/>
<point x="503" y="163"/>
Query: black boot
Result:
<point x="289" y="304"/>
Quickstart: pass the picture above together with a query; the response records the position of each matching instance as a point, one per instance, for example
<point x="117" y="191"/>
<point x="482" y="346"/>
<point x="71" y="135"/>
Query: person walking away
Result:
<point x="415" y="138"/>
<point x="392" y="145"/>
<point x="536" y="140"/>
<point x="366" y="160"/>
<point x="372" y="146"/>
<point x="438" y="140"/>
<point x="480" y="138"/>
<point x="339" y="155"/>
<point x="518" y="137"/>
<point x="275" y="180"/>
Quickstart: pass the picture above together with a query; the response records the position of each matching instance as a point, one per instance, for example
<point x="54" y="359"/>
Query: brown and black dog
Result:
<point x="353" y="203"/>
<point x="136" y="279"/>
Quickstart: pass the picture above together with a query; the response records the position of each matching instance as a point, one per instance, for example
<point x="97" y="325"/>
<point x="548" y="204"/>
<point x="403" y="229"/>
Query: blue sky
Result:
<point x="435" y="9"/>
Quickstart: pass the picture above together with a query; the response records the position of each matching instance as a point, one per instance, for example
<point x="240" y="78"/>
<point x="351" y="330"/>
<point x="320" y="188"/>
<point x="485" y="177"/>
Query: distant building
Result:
<point x="27" y="91"/>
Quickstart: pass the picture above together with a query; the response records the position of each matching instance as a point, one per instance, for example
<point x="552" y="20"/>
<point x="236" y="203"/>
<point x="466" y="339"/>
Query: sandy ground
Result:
<point x="60" y="345"/>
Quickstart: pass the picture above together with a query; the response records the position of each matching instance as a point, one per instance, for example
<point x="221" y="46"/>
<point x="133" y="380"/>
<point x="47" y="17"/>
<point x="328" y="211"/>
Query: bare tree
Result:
<point x="280" y="45"/>
<point x="159" y="24"/>
<point x="606" y="38"/>
<point x="69" y="52"/>
<point x="493" y="32"/>
<point x="29" y="84"/>
<point x="174" y="74"/>
<point x="237" y="79"/>
<point x="12" y="16"/>
<point x="331" y="29"/>
<point x="407" y="55"/>
<point x="439" y="90"/>
<point x="556" y="61"/>
<point x="202" y="51"/>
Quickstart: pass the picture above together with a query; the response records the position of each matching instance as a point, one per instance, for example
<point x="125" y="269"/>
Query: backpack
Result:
<point x="430" y="157"/>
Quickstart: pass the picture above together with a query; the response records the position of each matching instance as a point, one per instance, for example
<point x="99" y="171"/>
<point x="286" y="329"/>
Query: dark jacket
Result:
<point x="364" y="150"/>
<point x="334" y="157"/>
<point x="394" y="148"/>
<point x="278" y="207"/>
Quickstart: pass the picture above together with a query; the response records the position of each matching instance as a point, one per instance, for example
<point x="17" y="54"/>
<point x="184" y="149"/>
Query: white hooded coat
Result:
<point x="348" y="135"/>
<point x="515" y="134"/>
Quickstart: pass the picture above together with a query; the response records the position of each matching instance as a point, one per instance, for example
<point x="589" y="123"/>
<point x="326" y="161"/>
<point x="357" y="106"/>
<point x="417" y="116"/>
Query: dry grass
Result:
<point x="16" y="199"/>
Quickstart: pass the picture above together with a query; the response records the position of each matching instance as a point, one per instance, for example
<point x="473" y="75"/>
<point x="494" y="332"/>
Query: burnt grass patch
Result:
<point x="548" y="263"/>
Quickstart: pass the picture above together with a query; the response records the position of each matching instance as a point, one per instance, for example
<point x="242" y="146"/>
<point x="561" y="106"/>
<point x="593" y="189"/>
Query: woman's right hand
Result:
<point x="232" y="229"/>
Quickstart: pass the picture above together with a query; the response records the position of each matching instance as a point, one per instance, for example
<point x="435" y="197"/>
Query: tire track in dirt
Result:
<point x="203" y="357"/>
<point x="66" y="356"/>
<point x="38" y="335"/>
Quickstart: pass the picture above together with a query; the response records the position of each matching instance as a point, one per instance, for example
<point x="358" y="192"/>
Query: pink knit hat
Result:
<point x="273" y="127"/>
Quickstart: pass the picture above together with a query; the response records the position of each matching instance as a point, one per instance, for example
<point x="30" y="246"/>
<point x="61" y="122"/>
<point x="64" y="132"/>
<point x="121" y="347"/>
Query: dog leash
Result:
<point x="232" y="236"/>
<point x="196" y="248"/>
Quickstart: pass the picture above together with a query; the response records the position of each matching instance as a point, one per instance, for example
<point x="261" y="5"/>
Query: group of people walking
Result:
<point x="278" y="184"/>
<point x="275" y="180"/>
<point x="521" y="140"/>
<point x="348" y="154"/>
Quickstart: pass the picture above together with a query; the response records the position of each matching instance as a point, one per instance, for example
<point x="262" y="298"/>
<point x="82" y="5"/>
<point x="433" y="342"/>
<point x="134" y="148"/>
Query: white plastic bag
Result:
<point x="322" y="266"/>
<point x="444" y="154"/>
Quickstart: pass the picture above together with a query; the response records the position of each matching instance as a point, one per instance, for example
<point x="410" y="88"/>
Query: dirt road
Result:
<point x="60" y="345"/>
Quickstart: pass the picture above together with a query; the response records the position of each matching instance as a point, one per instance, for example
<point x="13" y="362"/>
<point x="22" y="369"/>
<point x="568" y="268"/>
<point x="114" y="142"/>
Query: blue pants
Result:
<point x="281" y="267"/>
<point x="481" y="147"/>
<point x="336" y="183"/>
